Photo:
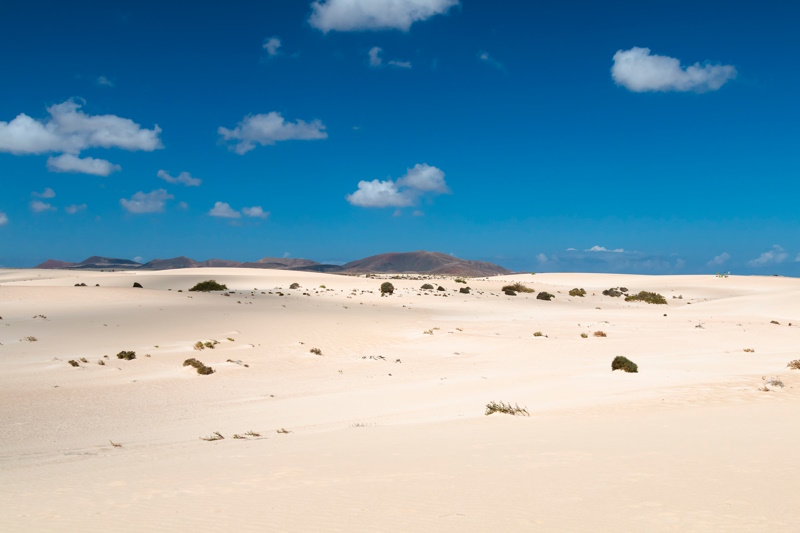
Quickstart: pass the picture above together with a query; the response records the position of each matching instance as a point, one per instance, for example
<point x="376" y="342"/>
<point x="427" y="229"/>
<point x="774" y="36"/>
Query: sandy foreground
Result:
<point x="386" y="429"/>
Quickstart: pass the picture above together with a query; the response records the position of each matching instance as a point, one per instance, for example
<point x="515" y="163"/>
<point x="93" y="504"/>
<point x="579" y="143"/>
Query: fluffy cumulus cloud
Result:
<point x="47" y="193"/>
<point x="774" y="256"/>
<point x="3" y="219"/>
<point x="358" y="15"/>
<point x="151" y="202"/>
<point x="255" y="212"/>
<point x="420" y="180"/>
<point x="224" y="210"/>
<point x="38" y="206"/>
<point x="81" y="165"/>
<point x="272" y="46"/>
<point x="720" y="259"/>
<point x="102" y="80"/>
<point x="267" y="129"/>
<point x="375" y="56"/>
<point x="75" y="208"/>
<point x="639" y="71"/>
<point x="184" y="178"/>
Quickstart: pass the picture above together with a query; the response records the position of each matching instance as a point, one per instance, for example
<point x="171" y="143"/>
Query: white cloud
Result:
<point x="3" y="219"/>
<point x="720" y="259"/>
<point x="139" y="259"/>
<point x="375" y="56"/>
<point x="255" y="212"/>
<point x="47" y="193"/>
<point x="419" y="180"/>
<point x="184" y="178"/>
<point x="75" y="208"/>
<point x="183" y="205"/>
<point x="70" y="130"/>
<point x="81" y="165"/>
<point x="489" y="60"/>
<point x="418" y="213"/>
<point x="267" y="129"/>
<point x="400" y="64"/>
<point x="37" y="206"/>
<point x="774" y="256"/>
<point x="224" y="210"/>
<point x="604" y="249"/>
<point x="102" y="80"/>
<point x="357" y="15"/>
<point x="638" y="71"/>
<point x="272" y="45"/>
<point x="151" y="202"/>
<point x="541" y="258"/>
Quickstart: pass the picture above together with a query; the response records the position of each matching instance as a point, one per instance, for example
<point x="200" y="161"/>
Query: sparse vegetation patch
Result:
<point x="427" y="287"/>
<point x="127" y="355"/>
<point x="794" y="365"/>
<point x="387" y="288"/>
<point x="649" y="297"/>
<point x="546" y="296"/>
<point x="517" y="287"/>
<point x="625" y="364"/>
<point x="208" y="286"/>
<point x="578" y="292"/>
<point x="316" y="351"/>
<point x="507" y="408"/>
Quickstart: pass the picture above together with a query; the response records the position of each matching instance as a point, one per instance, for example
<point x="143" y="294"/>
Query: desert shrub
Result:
<point x="440" y="288"/>
<point x="460" y="280"/>
<point x="794" y="365"/>
<point x="544" y="296"/>
<point x="775" y="322"/>
<point x="73" y="362"/>
<point x="578" y="292"/>
<point x="387" y="288"/>
<point x="645" y="296"/>
<point x="208" y="286"/>
<point x="210" y="344"/>
<point x="623" y="289"/>
<point x="613" y="292"/>
<point x="464" y="290"/>
<point x="623" y="363"/>
<point x="538" y="334"/>
<point x="427" y="287"/>
<point x="202" y="369"/>
<point x="199" y="345"/>
<point x="517" y="287"/>
<point x="316" y="351"/>
<point x="294" y="286"/>
<point x="600" y="334"/>
<point x="749" y="350"/>
<point x="500" y="407"/>
<point x="80" y="285"/>
<point x="584" y="335"/>
<point x="509" y="293"/>
<point x="137" y="285"/>
<point x="127" y="355"/>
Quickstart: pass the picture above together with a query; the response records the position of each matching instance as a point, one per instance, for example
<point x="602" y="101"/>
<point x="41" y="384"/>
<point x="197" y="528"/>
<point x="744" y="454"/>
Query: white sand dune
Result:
<point x="386" y="429"/>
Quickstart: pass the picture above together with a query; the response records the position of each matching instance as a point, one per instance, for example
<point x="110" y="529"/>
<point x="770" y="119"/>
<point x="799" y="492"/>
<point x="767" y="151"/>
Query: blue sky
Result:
<point x="652" y="137"/>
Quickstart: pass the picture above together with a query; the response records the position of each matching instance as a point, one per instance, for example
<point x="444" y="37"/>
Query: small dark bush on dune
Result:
<point x="509" y="293"/>
<point x="137" y="285"/>
<point x="794" y="365"/>
<point x="294" y="286"/>
<point x="517" y="287"/>
<point x="464" y="290"/>
<point x="649" y="297"/>
<point x="625" y="364"/>
<point x="544" y="296"/>
<point x="202" y="369"/>
<point x="127" y="355"/>
<point x="577" y="292"/>
<point x="614" y="293"/>
<point x="440" y="288"/>
<point x="73" y="362"/>
<point x="208" y="286"/>
<point x="427" y="287"/>
<point x="387" y="288"/>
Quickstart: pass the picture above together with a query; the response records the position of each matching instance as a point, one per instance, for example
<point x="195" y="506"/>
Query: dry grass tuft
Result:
<point x="507" y="408"/>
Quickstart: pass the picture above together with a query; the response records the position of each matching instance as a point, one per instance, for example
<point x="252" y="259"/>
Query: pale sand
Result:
<point x="687" y="444"/>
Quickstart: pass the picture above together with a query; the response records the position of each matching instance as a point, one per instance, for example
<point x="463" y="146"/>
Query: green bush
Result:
<point x="127" y="355"/>
<point x="208" y="286"/>
<point x="577" y="292"/>
<point x="544" y="296"/>
<point x="649" y="297"/>
<point x="387" y="288"/>
<point x="460" y="280"/>
<point x="518" y="287"/>
<point x="427" y="287"/>
<point x="507" y="408"/>
<point x="202" y="369"/>
<point x="623" y="363"/>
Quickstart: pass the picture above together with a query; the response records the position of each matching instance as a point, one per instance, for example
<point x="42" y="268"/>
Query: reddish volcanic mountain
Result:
<point x="424" y="262"/>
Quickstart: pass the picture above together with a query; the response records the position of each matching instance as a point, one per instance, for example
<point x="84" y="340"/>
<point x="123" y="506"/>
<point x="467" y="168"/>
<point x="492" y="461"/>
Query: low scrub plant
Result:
<point x="208" y="286"/>
<point x="538" y="334"/>
<point x="460" y="280"/>
<point x="584" y="335"/>
<point x="507" y="408"/>
<point x="578" y="292"/>
<point x="137" y="285"/>
<point x="600" y="334"/>
<point x="546" y="296"/>
<point x="464" y="290"/>
<point x="613" y="292"/>
<point x="794" y="365"/>
<point x="73" y="362"/>
<point x="517" y="287"/>
<point x="202" y="369"/>
<point x="316" y="351"/>
<point x="294" y="286"/>
<point x="127" y="355"/>
<point x="387" y="288"/>
<point x="427" y="287"/>
<point x="214" y="436"/>
<point x="625" y="364"/>
<point x="649" y="297"/>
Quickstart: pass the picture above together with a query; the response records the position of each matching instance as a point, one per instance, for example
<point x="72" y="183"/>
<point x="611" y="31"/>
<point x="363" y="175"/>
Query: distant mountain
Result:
<point x="423" y="262"/>
<point x="391" y="263"/>
<point x="54" y="263"/>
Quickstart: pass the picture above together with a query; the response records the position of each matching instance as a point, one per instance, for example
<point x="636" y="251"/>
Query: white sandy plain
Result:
<point x="689" y="443"/>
